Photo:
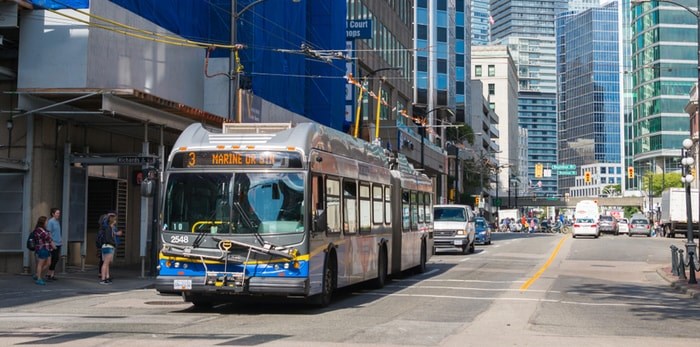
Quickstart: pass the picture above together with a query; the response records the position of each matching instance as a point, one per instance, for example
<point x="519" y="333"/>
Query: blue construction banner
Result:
<point x="61" y="4"/>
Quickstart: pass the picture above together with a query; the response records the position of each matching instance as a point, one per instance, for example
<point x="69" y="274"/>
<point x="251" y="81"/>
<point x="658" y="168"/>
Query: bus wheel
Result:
<point x="328" y="285"/>
<point x="380" y="281"/>
<point x="198" y="301"/>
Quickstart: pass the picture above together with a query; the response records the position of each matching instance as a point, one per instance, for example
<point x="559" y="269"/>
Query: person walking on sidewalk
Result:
<point x="43" y="247"/>
<point x="54" y="227"/>
<point x="110" y="236"/>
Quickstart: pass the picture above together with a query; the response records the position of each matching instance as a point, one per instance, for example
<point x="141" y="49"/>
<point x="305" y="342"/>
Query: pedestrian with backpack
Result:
<point x="109" y="236"/>
<point x="43" y="245"/>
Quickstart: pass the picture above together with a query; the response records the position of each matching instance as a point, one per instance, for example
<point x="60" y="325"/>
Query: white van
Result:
<point x="454" y="227"/>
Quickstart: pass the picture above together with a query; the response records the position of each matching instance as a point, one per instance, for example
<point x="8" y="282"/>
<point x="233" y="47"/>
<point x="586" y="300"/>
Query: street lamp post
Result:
<point x="235" y="73"/>
<point x="687" y="162"/>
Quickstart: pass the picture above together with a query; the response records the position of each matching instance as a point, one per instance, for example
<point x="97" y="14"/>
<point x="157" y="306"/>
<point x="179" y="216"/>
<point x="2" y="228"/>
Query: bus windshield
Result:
<point x="234" y="203"/>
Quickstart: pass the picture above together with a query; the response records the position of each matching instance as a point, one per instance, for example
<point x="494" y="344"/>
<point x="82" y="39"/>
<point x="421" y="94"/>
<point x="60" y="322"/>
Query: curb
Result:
<point x="681" y="286"/>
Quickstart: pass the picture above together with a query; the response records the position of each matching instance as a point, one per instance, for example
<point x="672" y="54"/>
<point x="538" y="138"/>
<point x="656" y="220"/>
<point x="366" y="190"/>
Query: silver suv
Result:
<point x="454" y="227"/>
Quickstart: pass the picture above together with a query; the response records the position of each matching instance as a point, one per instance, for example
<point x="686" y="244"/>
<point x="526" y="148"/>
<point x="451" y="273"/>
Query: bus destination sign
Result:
<point x="260" y="159"/>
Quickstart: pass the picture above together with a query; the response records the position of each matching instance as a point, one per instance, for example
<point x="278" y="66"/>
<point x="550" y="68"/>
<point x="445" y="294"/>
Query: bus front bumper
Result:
<point x="282" y="286"/>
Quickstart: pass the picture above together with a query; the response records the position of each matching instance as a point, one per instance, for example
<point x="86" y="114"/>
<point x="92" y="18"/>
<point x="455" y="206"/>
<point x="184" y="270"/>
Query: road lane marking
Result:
<point x="477" y="289"/>
<point x="451" y="280"/>
<point x="544" y="267"/>
<point x="554" y="301"/>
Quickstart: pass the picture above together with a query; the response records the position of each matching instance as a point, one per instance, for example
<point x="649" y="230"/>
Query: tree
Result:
<point x="659" y="182"/>
<point x="612" y="190"/>
<point x="459" y="134"/>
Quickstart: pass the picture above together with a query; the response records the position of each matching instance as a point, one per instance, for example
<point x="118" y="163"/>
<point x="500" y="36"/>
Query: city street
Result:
<point x="592" y="292"/>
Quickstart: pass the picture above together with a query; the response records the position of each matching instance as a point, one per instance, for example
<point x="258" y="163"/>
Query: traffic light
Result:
<point x="587" y="177"/>
<point x="539" y="168"/>
<point x="476" y="201"/>
<point x="630" y="172"/>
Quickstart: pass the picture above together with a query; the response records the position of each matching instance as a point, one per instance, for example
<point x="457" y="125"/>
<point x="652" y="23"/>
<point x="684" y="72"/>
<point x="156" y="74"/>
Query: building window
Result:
<point x="492" y="105"/>
<point x="442" y="34"/>
<point x="422" y="64"/>
<point x="492" y="89"/>
<point x="492" y="70"/>
<point x="442" y="5"/>
<point x="442" y="66"/>
<point x="477" y="70"/>
<point x="422" y="32"/>
<point x="459" y="60"/>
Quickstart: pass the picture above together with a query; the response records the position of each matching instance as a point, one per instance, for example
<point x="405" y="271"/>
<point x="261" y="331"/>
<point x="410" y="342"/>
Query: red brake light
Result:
<point x="576" y="226"/>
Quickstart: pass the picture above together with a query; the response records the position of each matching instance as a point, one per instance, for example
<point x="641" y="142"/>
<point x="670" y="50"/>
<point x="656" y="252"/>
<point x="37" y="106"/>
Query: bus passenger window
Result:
<point x="365" y="213"/>
<point x="377" y="204"/>
<point x="414" y="211"/>
<point x="405" y="211"/>
<point x="333" y="205"/>
<point x="350" y="206"/>
<point x="387" y="205"/>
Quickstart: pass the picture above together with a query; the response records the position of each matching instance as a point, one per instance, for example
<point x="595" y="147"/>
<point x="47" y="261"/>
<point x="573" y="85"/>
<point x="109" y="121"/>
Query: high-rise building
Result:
<point x="480" y="22"/>
<point x="442" y="41"/>
<point x="664" y="69"/>
<point x="589" y="100"/>
<point x="495" y="68"/>
<point x="529" y="32"/>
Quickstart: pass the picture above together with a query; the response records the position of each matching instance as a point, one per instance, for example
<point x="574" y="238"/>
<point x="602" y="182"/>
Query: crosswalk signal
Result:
<point x="476" y="201"/>
<point x="587" y="177"/>
<point x="630" y="172"/>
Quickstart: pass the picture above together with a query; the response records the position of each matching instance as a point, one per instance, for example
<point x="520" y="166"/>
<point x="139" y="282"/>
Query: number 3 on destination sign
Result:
<point x="193" y="159"/>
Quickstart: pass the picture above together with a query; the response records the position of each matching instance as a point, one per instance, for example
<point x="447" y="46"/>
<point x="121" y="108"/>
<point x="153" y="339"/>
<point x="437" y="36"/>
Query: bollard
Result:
<point x="674" y="260"/>
<point x="691" y="266"/>
<point x="681" y="265"/>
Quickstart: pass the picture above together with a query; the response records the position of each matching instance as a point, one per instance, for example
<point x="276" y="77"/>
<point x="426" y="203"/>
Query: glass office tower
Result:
<point x="664" y="69"/>
<point x="442" y="41"/>
<point x="589" y="100"/>
<point x="529" y="32"/>
<point x="480" y="22"/>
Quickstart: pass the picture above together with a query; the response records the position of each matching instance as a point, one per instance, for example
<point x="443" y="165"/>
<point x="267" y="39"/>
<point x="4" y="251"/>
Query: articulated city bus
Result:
<point x="287" y="211"/>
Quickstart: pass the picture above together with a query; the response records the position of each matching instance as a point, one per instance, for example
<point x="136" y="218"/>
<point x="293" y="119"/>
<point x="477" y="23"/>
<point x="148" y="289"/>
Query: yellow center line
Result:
<point x="544" y="267"/>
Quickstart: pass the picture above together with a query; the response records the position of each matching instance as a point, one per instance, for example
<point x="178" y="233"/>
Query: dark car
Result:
<point x="608" y="224"/>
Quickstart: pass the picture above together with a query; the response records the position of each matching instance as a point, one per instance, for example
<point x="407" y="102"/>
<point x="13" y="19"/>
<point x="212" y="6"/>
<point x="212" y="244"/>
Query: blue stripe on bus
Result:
<point x="259" y="270"/>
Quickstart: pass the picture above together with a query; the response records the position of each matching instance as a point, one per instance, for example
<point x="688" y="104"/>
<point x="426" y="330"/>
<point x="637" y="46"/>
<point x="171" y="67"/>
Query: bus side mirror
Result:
<point x="148" y="188"/>
<point x="320" y="221"/>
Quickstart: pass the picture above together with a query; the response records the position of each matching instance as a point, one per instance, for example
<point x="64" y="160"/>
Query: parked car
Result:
<point x="623" y="226"/>
<point x="483" y="231"/>
<point x="453" y="227"/>
<point x="640" y="226"/>
<point x="586" y="227"/>
<point x="608" y="224"/>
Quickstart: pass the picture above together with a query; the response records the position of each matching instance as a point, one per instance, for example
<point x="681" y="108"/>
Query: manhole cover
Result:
<point x="165" y="302"/>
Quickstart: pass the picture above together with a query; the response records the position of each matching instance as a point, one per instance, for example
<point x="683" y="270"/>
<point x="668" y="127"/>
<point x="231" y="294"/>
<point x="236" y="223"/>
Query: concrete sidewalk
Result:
<point x="77" y="279"/>
<point x="682" y="286"/>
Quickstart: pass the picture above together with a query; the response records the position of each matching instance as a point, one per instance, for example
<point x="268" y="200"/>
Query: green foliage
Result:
<point x="460" y="134"/>
<point x="659" y="182"/>
<point x="630" y="210"/>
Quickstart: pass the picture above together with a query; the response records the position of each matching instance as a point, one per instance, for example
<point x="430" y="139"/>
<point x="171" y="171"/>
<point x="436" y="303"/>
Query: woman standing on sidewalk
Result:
<point x="43" y="247"/>
<point x="110" y="234"/>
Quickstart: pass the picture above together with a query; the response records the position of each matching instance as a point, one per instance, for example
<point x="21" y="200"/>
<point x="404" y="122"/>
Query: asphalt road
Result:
<point x="515" y="292"/>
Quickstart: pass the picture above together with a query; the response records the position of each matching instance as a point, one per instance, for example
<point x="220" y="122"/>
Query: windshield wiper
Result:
<point x="249" y="222"/>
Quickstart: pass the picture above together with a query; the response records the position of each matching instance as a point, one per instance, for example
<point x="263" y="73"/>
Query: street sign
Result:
<point x="136" y="160"/>
<point x="358" y="29"/>
<point x="566" y="173"/>
<point x="564" y="167"/>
